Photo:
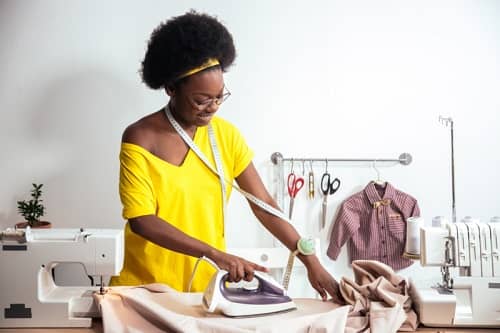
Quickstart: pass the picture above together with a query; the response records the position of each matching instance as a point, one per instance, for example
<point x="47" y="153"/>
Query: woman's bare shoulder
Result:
<point x="143" y="131"/>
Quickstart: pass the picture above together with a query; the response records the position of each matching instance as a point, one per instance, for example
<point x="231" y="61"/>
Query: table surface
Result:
<point x="97" y="328"/>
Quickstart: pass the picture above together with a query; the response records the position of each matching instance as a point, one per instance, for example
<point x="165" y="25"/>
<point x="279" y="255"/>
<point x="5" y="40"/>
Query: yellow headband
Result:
<point x="209" y="63"/>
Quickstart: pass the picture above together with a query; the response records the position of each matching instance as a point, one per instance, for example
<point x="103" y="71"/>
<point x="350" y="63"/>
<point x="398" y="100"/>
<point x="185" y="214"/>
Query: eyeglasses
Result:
<point x="207" y="102"/>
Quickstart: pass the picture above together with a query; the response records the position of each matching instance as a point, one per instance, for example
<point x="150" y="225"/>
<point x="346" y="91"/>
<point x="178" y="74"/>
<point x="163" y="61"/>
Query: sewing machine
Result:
<point x="469" y="251"/>
<point x="29" y="295"/>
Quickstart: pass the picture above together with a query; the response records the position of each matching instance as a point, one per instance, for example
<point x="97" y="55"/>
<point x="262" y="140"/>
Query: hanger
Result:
<point x="378" y="181"/>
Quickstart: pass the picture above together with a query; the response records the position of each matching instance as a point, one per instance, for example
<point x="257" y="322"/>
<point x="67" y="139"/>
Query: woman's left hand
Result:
<point x="324" y="283"/>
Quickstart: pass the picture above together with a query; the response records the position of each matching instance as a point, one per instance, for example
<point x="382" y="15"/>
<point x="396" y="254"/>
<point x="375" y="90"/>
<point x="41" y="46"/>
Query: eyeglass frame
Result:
<point x="209" y="101"/>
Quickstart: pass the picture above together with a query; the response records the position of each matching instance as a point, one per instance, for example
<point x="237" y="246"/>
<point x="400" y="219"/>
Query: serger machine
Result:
<point x="469" y="294"/>
<point x="29" y="295"/>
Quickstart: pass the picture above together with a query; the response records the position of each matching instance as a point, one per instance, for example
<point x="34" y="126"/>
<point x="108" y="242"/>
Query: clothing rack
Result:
<point x="403" y="159"/>
<point x="278" y="160"/>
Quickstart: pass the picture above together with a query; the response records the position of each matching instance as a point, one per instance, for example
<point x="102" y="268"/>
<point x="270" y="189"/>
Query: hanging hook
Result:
<point x="326" y="165"/>
<point x="303" y="168"/>
<point x="291" y="166"/>
<point x="311" y="165"/>
<point x="446" y="121"/>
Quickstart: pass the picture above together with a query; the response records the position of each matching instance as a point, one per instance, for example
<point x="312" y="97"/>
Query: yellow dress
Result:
<point x="187" y="196"/>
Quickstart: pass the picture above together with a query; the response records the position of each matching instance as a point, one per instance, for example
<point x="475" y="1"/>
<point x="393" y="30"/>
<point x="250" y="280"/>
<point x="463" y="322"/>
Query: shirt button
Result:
<point x="383" y="242"/>
<point x="385" y="256"/>
<point x="382" y="227"/>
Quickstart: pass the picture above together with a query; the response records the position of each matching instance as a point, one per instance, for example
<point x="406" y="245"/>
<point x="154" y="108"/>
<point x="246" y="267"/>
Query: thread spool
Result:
<point x="470" y="219"/>
<point x="10" y="234"/>
<point x="439" y="222"/>
<point x="413" y="225"/>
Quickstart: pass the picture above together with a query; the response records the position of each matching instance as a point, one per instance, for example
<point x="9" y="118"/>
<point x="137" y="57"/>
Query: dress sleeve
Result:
<point x="136" y="188"/>
<point x="410" y="207"/>
<point x="346" y="224"/>
<point x="242" y="154"/>
<point x="415" y="210"/>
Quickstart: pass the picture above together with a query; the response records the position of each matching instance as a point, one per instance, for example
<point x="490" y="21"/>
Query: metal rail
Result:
<point x="404" y="159"/>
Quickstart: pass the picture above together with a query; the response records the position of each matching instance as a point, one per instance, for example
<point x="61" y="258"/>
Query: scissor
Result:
<point x="295" y="183"/>
<point x="328" y="187"/>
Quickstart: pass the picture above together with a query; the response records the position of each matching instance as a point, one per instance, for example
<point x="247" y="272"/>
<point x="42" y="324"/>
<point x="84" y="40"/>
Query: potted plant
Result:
<point x="32" y="210"/>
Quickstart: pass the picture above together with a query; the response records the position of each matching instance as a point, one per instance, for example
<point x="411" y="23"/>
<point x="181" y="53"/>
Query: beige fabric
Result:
<point x="377" y="302"/>
<point x="158" y="308"/>
<point x="379" y="298"/>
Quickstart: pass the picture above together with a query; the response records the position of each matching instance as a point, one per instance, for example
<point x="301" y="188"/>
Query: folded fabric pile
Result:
<point x="379" y="298"/>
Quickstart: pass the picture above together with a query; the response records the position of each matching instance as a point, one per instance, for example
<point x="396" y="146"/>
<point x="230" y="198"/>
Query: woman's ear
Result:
<point x="170" y="91"/>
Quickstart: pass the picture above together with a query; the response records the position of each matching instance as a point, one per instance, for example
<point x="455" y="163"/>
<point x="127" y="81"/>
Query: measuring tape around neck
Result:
<point x="304" y="246"/>
<point x="223" y="180"/>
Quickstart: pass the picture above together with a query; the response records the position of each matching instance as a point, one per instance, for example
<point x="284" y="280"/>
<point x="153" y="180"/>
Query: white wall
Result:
<point x="312" y="79"/>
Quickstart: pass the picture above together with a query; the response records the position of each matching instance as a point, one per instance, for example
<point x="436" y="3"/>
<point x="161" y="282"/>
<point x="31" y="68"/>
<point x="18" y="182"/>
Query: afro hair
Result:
<point x="182" y="43"/>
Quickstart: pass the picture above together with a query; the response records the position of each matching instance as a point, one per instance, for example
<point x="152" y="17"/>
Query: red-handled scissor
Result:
<point x="295" y="183"/>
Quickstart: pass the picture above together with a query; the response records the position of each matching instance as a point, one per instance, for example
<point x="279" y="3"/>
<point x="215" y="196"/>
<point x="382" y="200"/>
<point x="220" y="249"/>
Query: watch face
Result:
<point x="306" y="246"/>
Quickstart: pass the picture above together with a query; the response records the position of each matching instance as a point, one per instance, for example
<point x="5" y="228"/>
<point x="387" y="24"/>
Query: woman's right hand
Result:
<point x="237" y="267"/>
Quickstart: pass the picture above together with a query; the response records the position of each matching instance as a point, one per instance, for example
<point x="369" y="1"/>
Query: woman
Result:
<point x="171" y="199"/>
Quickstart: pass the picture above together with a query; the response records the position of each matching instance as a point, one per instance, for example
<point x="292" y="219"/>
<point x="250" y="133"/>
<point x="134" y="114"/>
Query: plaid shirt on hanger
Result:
<point x="373" y="223"/>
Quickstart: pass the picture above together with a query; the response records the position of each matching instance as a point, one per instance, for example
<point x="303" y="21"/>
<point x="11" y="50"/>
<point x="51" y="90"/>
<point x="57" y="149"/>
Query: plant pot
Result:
<point x="36" y="225"/>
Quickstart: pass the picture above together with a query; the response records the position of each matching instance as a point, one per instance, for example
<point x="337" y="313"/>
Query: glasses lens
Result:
<point x="203" y="105"/>
<point x="219" y="101"/>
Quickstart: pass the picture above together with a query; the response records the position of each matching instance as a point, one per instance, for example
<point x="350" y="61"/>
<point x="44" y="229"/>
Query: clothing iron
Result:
<point x="269" y="297"/>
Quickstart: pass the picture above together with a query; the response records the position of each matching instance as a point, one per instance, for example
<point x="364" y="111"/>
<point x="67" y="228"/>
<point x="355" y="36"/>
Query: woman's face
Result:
<point x="197" y="99"/>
